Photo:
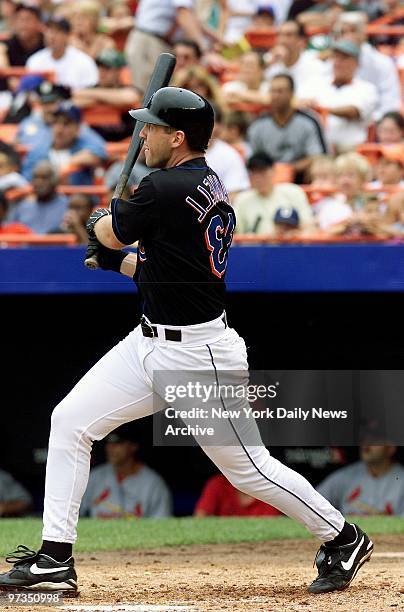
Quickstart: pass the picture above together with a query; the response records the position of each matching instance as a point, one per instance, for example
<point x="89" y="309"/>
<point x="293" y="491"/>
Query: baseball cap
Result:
<point x="260" y="161"/>
<point x="111" y="58"/>
<point x="287" y="216"/>
<point x="29" y="82"/>
<point x="59" y="22"/>
<point x="265" y="9"/>
<point x="67" y="109"/>
<point x="50" y="92"/>
<point x="347" y="47"/>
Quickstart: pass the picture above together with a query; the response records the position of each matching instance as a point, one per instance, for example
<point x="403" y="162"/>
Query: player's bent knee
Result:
<point x="66" y="422"/>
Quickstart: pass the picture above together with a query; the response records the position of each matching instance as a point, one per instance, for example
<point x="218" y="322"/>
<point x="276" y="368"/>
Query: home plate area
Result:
<point x="254" y="577"/>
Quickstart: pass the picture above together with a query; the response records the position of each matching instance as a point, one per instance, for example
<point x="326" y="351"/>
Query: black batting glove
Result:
<point x="92" y="220"/>
<point x="109" y="259"/>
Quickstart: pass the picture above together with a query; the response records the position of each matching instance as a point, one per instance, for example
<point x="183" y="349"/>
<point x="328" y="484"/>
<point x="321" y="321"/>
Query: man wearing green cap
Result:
<point x="349" y="102"/>
<point x="111" y="91"/>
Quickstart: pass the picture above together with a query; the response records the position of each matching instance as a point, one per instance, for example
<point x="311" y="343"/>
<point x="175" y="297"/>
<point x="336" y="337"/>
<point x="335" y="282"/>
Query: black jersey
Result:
<point x="184" y="223"/>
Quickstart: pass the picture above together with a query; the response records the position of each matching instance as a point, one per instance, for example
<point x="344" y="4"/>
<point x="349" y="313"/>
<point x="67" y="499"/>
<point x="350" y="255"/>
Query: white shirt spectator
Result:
<point x="379" y="69"/>
<point x="281" y="9"/>
<point x="74" y="69"/>
<point x="344" y="133"/>
<point x="333" y="211"/>
<point x="158" y="16"/>
<point x="237" y="25"/>
<point x="229" y="166"/>
<point x="255" y="212"/>
<point x="307" y="66"/>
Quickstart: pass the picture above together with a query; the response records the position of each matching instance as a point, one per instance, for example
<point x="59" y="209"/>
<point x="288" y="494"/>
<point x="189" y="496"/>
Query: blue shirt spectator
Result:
<point x="43" y="212"/>
<point x="69" y="146"/>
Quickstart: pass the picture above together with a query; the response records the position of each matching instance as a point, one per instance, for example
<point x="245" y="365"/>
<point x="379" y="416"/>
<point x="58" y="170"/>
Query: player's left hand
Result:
<point x="93" y="218"/>
<point x="110" y="259"/>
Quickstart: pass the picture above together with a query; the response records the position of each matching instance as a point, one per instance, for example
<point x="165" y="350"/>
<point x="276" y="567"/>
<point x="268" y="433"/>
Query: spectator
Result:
<point x="76" y="216"/>
<point x="197" y="79"/>
<point x="6" y="227"/>
<point x="395" y="215"/>
<point x="390" y="129"/>
<point x="72" y="67"/>
<point x="373" y="485"/>
<point x="322" y="172"/>
<point x="249" y="85"/>
<point x="85" y="21"/>
<point x="118" y="17"/>
<point x="14" y="498"/>
<point x="110" y="91"/>
<point x="289" y="56"/>
<point x="155" y="23"/>
<point x="235" y="19"/>
<point x="374" y="67"/>
<point x="124" y="486"/>
<point x="27" y="38"/>
<point x="187" y="53"/>
<point x="390" y="167"/>
<point x="10" y="178"/>
<point x="225" y="161"/>
<point x="286" y="223"/>
<point x="7" y="16"/>
<point x="220" y="498"/>
<point x="140" y="170"/>
<point x="234" y="132"/>
<point x="23" y="98"/>
<point x="263" y="18"/>
<point x="37" y="127"/>
<point x="256" y="208"/>
<point x="337" y="212"/>
<point x="286" y="134"/>
<point x="319" y="14"/>
<point x="70" y="147"/>
<point x="44" y="210"/>
<point x="349" y="101"/>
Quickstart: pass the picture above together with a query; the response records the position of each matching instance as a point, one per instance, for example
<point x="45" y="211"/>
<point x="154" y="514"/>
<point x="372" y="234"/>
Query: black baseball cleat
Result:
<point x="38" y="572"/>
<point x="338" y="565"/>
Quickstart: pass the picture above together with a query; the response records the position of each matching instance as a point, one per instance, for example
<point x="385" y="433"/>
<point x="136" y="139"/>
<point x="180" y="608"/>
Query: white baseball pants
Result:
<point x="118" y="389"/>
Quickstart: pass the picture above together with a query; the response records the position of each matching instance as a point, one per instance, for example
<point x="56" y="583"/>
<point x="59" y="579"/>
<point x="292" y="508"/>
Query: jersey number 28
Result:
<point x="218" y="240"/>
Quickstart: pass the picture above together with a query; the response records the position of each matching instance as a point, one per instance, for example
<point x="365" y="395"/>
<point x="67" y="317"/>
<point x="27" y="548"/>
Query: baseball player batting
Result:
<point x="184" y="223"/>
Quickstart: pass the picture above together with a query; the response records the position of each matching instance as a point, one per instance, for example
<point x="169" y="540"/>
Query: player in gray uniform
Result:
<point x="374" y="485"/>
<point x="14" y="498"/>
<point x="125" y="486"/>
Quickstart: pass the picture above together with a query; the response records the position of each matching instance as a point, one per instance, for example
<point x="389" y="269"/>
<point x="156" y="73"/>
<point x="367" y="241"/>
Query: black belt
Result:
<point x="175" y="335"/>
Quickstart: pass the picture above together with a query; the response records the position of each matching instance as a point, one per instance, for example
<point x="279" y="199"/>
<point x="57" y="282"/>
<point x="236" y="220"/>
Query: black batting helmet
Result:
<point x="181" y="109"/>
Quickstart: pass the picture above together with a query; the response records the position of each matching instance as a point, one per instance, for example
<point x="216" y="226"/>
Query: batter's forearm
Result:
<point x="105" y="234"/>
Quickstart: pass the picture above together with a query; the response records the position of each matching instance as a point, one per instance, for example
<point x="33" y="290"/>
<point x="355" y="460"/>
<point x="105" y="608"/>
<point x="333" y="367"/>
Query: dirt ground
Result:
<point x="268" y="577"/>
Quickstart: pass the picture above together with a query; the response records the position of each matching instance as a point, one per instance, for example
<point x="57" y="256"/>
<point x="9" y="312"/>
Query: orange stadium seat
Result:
<point x="262" y="39"/>
<point x="316" y="238"/>
<point x="36" y="239"/>
<point x="315" y="193"/>
<point x="100" y="191"/>
<point x="20" y="71"/>
<point x="102" y="114"/>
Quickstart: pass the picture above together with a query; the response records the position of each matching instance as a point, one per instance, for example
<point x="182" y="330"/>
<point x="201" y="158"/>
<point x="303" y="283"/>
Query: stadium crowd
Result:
<point x="308" y="97"/>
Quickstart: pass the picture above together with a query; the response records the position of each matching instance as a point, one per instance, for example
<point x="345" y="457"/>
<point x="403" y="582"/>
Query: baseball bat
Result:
<point x="161" y="76"/>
